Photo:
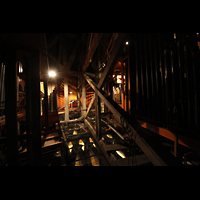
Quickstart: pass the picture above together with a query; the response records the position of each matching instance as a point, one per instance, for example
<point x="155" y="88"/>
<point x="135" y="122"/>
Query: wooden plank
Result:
<point x="133" y="161"/>
<point x="78" y="136"/>
<point x="113" y="147"/>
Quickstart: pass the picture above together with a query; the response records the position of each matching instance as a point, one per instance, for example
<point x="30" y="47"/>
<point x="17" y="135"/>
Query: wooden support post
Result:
<point x="122" y="84"/>
<point x="98" y="116"/>
<point x="29" y="112"/>
<point x="129" y="86"/>
<point x="51" y="96"/>
<point x="46" y="104"/>
<point x="66" y="99"/>
<point x="56" y="104"/>
<point x="36" y="114"/>
<point x="11" y="107"/>
<point x="83" y="98"/>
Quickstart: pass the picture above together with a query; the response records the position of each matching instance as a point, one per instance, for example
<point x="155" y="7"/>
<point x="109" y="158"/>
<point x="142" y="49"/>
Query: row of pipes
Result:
<point x="165" y="71"/>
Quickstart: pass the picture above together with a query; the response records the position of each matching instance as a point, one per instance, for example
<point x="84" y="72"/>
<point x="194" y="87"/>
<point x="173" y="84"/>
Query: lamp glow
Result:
<point x="52" y="74"/>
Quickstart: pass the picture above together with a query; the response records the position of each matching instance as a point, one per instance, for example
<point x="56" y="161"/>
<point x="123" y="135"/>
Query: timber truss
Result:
<point x="127" y="122"/>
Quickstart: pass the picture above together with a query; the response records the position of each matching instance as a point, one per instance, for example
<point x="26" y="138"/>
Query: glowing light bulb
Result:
<point x="52" y="74"/>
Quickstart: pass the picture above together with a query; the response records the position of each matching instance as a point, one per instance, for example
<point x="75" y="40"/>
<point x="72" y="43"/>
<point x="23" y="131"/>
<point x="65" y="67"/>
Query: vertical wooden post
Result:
<point x="66" y="99"/>
<point x="46" y="104"/>
<point x="98" y="116"/>
<point x="29" y="112"/>
<point x="56" y="98"/>
<point x="122" y="84"/>
<point x="11" y="107"/>
<point x="111" y="93"/>
<point x="83" y="97"/>
<point x="36" y="114"/>
<point x="127" y="89"/>
<point x="129" y="85"/>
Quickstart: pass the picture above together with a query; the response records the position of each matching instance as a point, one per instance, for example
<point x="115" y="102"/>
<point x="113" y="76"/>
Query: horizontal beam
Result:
<point x="114" y="147"/>
<point x="78" y="136"/>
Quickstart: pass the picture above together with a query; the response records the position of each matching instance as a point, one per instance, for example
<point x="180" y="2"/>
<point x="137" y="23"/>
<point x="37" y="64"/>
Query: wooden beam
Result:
<point x="125" y="120"/>
<point x="53" y="41"/>
<point x="90" y="105"/>
<point x="55" y="60"/>
<point x="114" y="147"/>
<point x="110" y="65"/>
<point x="60" y="51"/>
<point x="178" y="139"/>
<point x="137" y="160"/>
<point x="83" y="97"/>
<point x="36" y="113"/>
<point x="29" y="112"/>
<point x="11" y="107"/>
<point x="66" y="99"/>
<point x="95" y="42"/>
<point x="98" y="116"/>
<point x="73" y="55"/>
<point x="119" y="45"/>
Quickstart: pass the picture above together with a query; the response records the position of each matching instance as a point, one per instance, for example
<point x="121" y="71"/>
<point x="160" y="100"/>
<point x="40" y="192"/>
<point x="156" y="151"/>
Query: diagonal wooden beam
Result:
<point x="53" y="41"/>
<point x="51" y="56"/>
<point x="110" y="64"/>
<point x="120" y="44"/>
<point x="95" y="42"/>
<point x="73" y="55"/>
<point x="125" y="120"/>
